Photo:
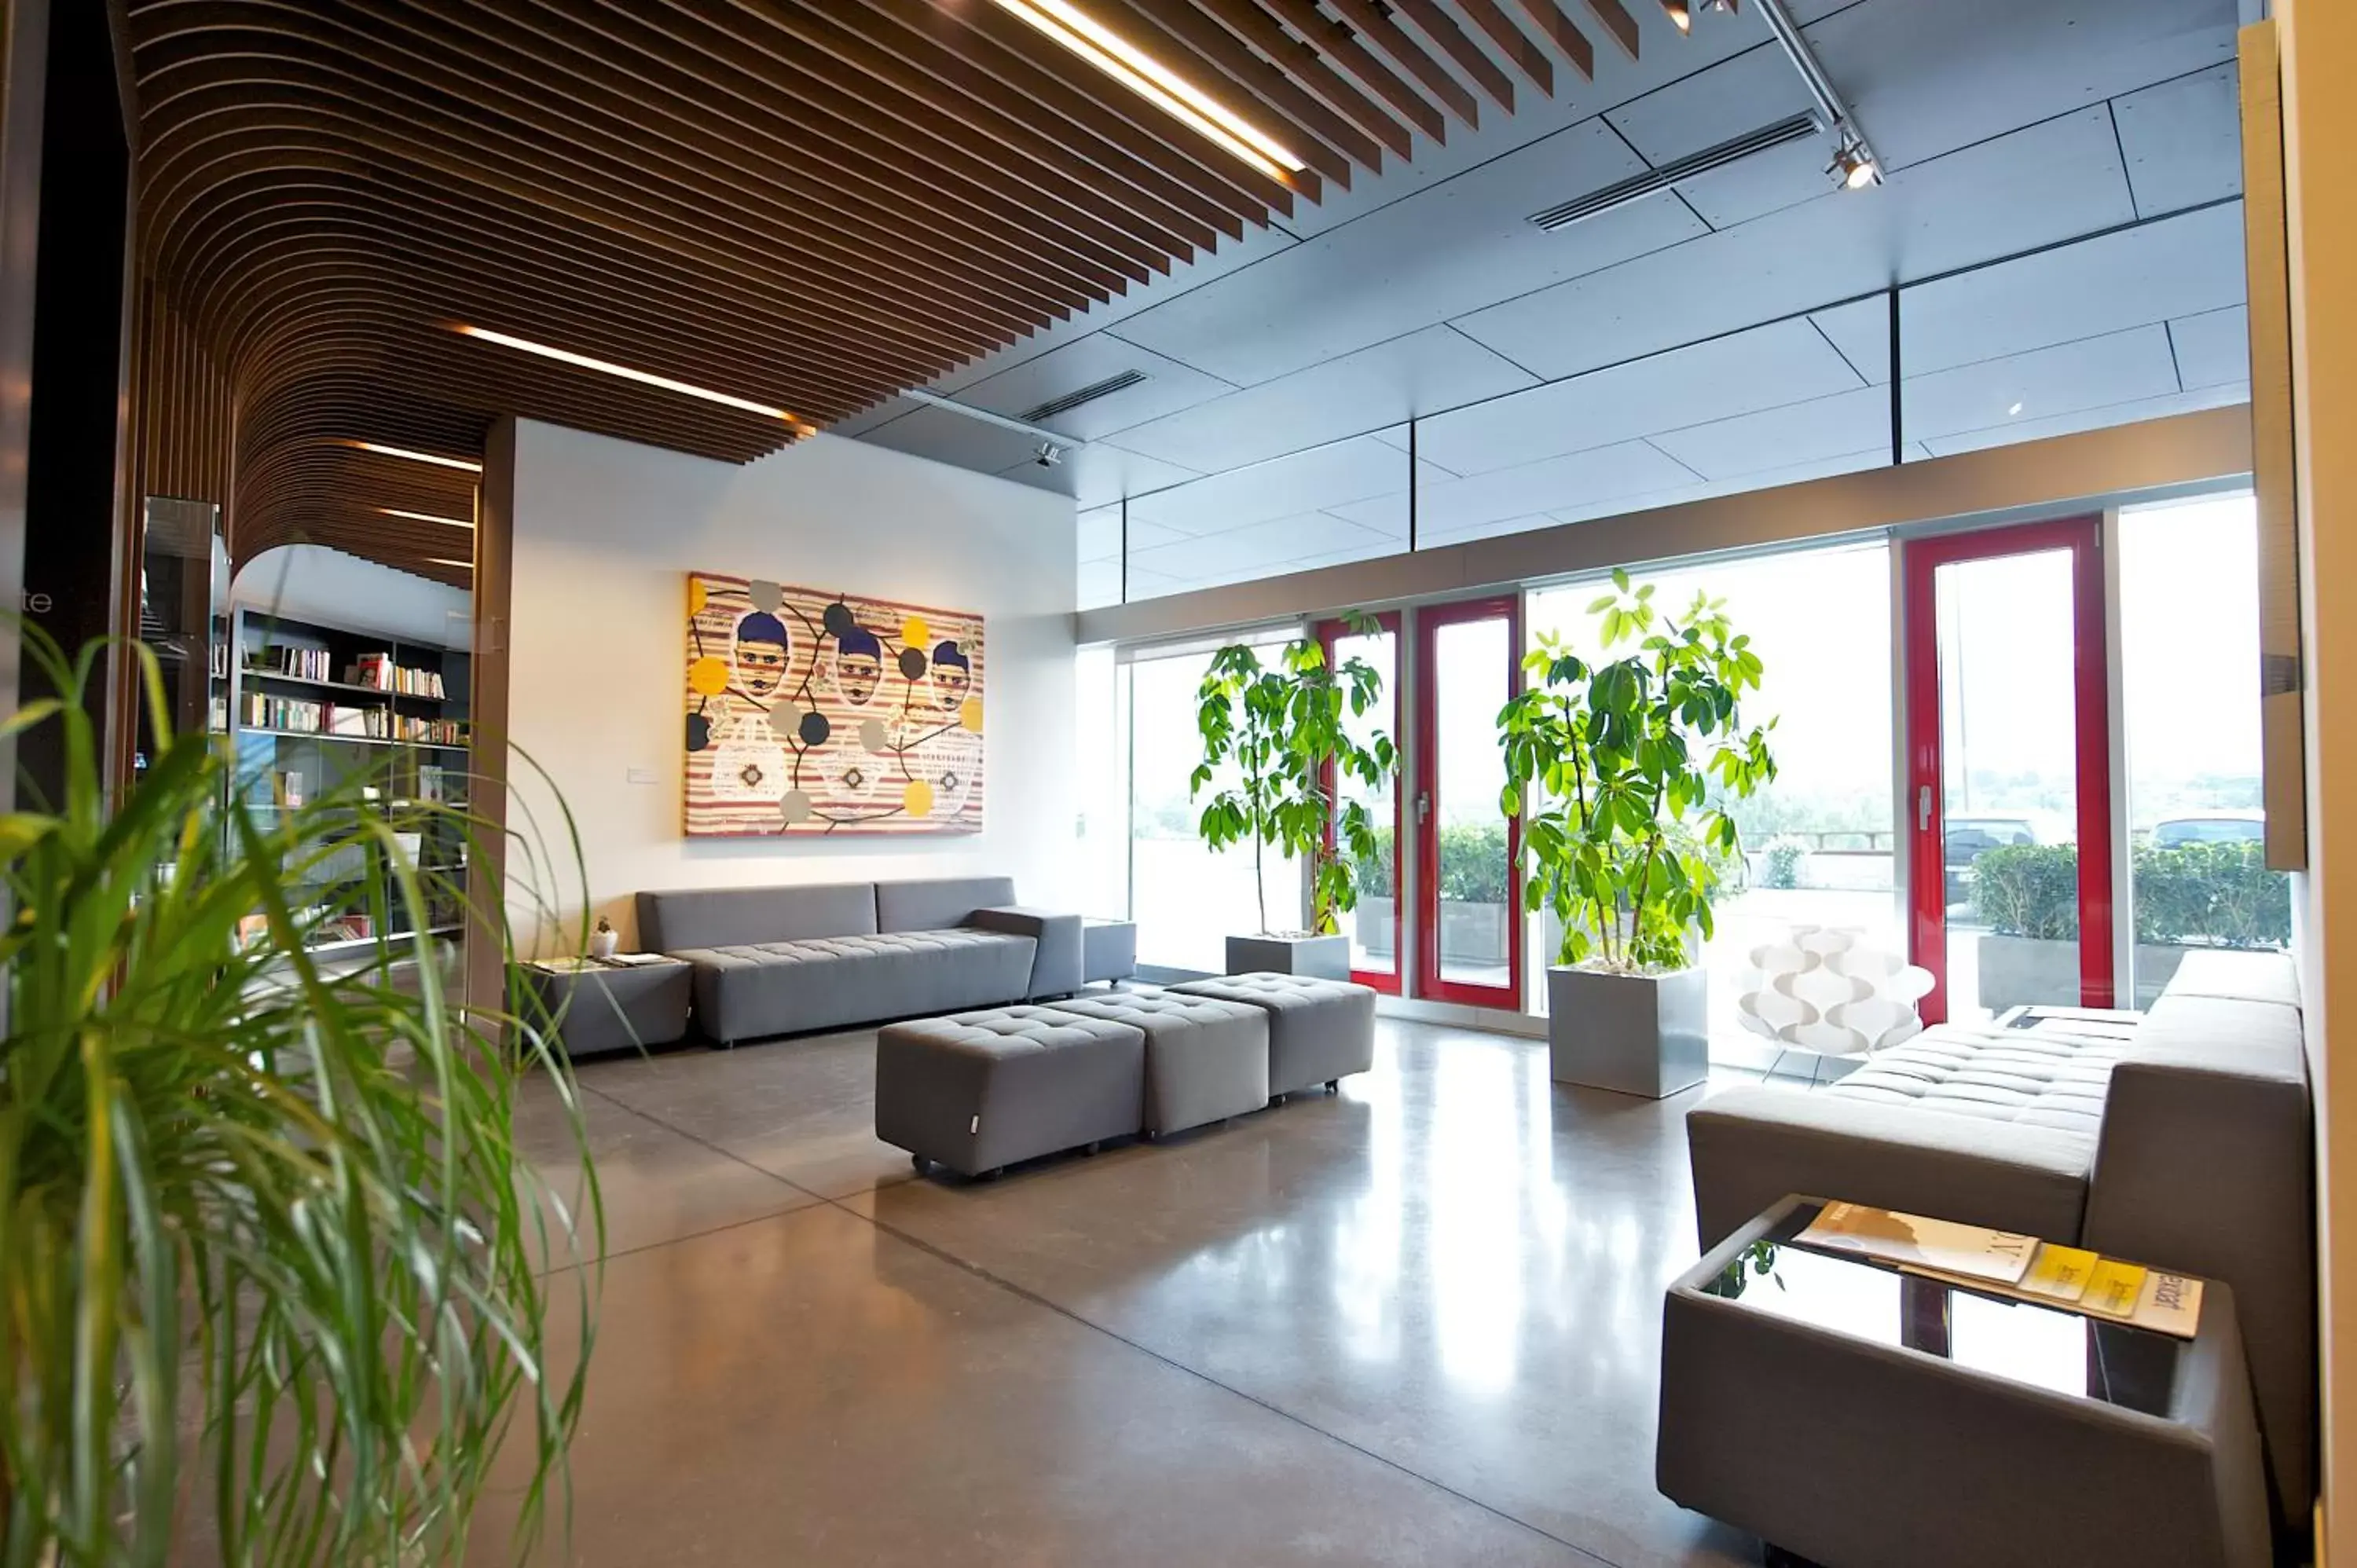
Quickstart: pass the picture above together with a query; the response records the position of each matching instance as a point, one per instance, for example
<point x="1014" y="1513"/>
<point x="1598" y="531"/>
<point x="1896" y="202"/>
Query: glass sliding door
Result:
<point x="1468" y="926"/>
<point x="1375" y="927"/>
<point x="2010" y="826"/>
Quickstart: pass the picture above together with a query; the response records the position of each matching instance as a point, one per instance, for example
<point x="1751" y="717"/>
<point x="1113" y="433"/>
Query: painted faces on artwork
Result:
<point x="953" y="676"/>
<point x="761" y="655"/>
<point x="858" y="665"/>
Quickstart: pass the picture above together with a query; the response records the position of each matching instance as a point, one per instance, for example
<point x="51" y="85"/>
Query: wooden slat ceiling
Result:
<point x="810" y="204"/>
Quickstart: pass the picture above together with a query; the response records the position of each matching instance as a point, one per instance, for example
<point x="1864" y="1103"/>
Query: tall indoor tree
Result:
<point x="270" y="1257"/>
<point x="1283" y="726"/>
<point x="1630" y="763"/>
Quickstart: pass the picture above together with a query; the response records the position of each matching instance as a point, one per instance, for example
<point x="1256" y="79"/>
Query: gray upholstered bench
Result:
<point x="976" y="1091"/>
<point x="1205" y="1059"/>
<point x="1319" y="1031"/>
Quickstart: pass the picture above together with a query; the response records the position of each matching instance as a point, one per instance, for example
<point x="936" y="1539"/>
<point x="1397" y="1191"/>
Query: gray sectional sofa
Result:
<point x="782" y="960"/>
<point x="2186" y="1146"/>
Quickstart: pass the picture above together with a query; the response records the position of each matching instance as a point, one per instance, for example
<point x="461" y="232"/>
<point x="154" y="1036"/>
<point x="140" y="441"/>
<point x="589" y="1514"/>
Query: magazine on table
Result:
<point x="1970" y="1252"/>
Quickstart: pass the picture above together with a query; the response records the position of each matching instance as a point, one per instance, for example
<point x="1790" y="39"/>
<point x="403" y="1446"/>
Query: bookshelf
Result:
<point x="312" y="707"/>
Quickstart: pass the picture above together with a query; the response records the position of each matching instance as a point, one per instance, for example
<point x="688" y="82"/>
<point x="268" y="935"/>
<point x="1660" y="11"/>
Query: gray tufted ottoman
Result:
<point x="978" y="1091"/>
<point x="1205" y="1059"/>
<point x="1319" y="1031"/>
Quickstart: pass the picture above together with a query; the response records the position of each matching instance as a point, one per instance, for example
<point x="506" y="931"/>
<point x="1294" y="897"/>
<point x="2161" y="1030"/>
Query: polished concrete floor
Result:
<point x="1417" y="1323"/>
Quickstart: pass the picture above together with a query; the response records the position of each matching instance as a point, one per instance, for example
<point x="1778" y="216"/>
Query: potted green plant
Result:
<point x="1627" y="764"/>
<point x="1282" y="729"/>
<point x="270" y="1261"/>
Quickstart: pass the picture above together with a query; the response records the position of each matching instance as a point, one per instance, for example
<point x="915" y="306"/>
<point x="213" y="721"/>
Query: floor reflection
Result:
<point x="1450" y="1272"/>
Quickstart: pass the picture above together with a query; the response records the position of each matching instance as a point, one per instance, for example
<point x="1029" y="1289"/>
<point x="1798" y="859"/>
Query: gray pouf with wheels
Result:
<point x="978" y="1091"/>
<point x="1205" y="1059"/>
<point x="1319" y="1031"/>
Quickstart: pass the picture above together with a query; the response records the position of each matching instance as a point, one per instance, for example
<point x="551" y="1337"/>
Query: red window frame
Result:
<point x="1429" y="620"/>
<point x="1329" y="632"/>
<point x="1927" y="813"/>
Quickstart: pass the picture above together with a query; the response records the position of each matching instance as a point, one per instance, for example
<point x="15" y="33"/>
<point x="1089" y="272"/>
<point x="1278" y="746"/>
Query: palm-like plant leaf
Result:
<point x="268" y="1252"/>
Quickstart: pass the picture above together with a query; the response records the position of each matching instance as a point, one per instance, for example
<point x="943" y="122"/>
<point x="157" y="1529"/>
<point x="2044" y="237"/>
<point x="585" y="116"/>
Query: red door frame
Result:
<point x="1429" y="620"/>
<point x="1927" y="852"/>
<point x="1329" y="632"/>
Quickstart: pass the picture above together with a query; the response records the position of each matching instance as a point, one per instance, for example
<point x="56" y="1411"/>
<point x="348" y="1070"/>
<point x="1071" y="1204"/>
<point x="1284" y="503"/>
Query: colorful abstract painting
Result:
<point x="812" y="712"/>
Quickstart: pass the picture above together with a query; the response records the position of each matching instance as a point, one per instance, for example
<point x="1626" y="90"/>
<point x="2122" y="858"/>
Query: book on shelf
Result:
<point x="286" y="658"/>
<point x="381" y="672"/>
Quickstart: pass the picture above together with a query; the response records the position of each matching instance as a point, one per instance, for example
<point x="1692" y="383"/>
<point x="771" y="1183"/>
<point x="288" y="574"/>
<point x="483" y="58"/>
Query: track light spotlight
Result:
<point x="1854" y="166"/>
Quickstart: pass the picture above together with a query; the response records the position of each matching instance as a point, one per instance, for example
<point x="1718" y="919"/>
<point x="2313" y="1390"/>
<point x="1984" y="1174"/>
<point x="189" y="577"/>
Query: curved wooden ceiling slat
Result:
<point x="810" y="204"/>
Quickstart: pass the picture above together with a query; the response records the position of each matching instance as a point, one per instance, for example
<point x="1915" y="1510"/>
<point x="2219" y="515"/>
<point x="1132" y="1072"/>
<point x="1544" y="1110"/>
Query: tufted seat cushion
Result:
<point x="1205" y="1059"/>
<point x="2000" y="1075"/>
<point x="750" y="989"/>
<point x="1318" y="1030"/>
<point x="980" y="1089"/>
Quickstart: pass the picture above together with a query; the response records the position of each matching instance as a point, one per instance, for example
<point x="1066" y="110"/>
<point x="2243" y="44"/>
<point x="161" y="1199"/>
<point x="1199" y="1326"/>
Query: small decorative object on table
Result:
<point x="605" y="940"/>
<point x="1821" y="990"/>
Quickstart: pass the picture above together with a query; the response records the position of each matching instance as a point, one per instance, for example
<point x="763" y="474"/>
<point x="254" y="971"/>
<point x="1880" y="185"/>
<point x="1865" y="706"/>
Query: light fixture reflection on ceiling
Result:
<point x="2014" y="410"/>
<point x="1157" y="84"/>
<point x="1681" y="15"/>
<point x="649" y="378"/>
<point x="384" y="451"/>
<point x="426" y="516"/>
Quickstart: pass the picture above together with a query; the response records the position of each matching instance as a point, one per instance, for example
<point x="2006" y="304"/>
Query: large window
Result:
<point x="2190" y="663"/>
<point x="1187" y="900"/>
<point x="1818" y="843"/>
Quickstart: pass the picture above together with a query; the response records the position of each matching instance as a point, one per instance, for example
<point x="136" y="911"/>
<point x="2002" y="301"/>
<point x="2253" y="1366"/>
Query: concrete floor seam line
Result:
<point x="604" y="1258"/>
<point x="728" y="1155"/>
<point x="1026" y="1294"/>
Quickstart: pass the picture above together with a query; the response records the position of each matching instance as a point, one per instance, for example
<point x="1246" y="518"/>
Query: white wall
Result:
<point x="604" y="531"/>
<point x="315" y="582"/>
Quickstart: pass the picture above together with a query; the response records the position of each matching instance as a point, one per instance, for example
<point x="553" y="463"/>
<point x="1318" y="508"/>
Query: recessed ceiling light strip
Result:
<point x="1156" y="82"/>
<point x="607" y="367"/>
<point x="384" y="451"/>
<point x="426" y="516"/>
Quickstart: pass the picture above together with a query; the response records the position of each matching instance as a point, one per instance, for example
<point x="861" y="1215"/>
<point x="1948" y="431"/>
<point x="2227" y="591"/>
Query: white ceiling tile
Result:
<point x="1734" y="374"/>
<point x="2040" y="384"/>
<point x="1861" y="331"/>
<point x="1324" y="477"/>
<point x="949" y="437"/>
<point x="1100" y="585"/>
<point x="1255" y="548"/>
<point x="1455" y="248"/>
<point x="2178" y="266"/>
<point x="1454" y="506"/>
<point x="2092" y="418"/>
<point x="1813" y="431"/>
<point x="1100" y="533"/>
<point x="2036" y="186"/>
<point x="2213" y="349"/>
<point x="2183" y="140"/>
<point x="1098" y="473"/>
<point x="1435" y="368"/>
<point x="1169" y="387"/>
<point x="1927" y="77"/>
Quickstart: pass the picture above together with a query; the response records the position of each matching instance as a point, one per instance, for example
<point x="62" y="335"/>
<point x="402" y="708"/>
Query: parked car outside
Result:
<point x="2212" y="827"/>
<point x="1964" y="838"/>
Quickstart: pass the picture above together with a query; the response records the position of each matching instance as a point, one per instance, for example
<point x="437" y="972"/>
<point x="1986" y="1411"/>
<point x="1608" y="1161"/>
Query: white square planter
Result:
<point x="1322" y="958"/>
<point x="1634" y="1034"/>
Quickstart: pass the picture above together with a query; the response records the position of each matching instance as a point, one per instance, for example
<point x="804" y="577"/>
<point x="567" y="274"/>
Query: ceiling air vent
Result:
<point x="1090" y="394"/>
<point x="1621" y="193"/>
